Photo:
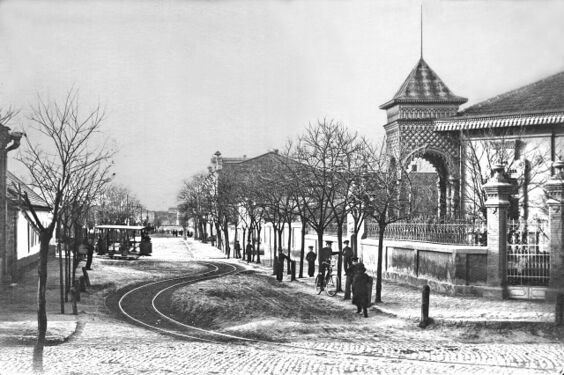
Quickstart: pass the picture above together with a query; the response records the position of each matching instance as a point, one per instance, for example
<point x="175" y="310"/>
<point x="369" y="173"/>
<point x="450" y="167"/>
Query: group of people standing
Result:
<point x="250" y="251"/>
<point x="357" y="281"/>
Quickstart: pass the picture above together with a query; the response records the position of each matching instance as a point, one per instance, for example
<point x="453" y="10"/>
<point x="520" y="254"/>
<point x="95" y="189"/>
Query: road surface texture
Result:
<point x="294" y="341"/>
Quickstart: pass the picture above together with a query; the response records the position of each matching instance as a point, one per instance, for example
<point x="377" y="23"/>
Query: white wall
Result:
<point x="26" y="237"/>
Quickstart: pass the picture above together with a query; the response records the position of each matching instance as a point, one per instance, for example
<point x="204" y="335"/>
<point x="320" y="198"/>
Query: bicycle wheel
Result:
<point x="318" y="283"/>
<point x="331" y="289"/>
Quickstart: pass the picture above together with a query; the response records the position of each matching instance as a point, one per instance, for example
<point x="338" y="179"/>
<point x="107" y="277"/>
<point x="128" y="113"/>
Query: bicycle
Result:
<point x="329" y="284"/>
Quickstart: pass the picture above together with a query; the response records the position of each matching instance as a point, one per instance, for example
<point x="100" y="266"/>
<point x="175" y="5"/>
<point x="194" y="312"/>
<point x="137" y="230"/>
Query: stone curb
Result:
<point x="24" y="332"/>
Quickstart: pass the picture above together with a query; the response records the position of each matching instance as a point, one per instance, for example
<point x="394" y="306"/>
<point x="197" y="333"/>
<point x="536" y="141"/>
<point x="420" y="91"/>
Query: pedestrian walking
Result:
<point x="249" y="250"/>
<point x="360" y="290"/>
<point x="237" y="249"/>
<point x="311" y="257"/>
<point x="347" y="255"/>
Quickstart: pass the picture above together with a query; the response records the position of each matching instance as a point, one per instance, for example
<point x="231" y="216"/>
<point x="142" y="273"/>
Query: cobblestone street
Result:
<point x="104" y="344"/>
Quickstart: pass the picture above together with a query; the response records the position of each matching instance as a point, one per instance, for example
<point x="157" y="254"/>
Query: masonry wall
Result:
<point x="445" y="268"/>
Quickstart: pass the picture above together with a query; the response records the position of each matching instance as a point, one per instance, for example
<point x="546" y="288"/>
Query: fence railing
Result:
<point x="528" y="255"/>
<point x="461" y="233"/>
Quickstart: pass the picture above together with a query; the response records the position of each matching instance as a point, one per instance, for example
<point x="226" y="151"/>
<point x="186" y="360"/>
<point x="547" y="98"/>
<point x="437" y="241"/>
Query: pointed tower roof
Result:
<point x="423" y="85"/>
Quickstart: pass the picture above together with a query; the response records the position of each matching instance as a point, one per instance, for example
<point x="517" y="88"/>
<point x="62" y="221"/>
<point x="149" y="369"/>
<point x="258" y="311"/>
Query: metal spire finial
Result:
<point x="421" y="29"/>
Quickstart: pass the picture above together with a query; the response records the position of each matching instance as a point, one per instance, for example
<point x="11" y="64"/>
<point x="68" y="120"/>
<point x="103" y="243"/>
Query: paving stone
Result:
<point x="103" y="344"/>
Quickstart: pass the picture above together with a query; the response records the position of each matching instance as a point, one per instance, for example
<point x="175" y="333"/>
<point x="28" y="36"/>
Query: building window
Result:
<point x="32" y="237"/>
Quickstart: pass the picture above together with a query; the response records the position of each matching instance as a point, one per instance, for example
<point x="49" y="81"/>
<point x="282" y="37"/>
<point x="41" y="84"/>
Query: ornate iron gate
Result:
<point x="528" y="256"/>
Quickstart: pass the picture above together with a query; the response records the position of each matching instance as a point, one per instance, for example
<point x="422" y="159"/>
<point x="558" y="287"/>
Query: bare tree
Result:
<point x="84" y="190"/>
<point x="385" y="182"/>
<point x="320" y="158"/>
<point x="277" y="195"/>
<point x="226" y="204"/>
<point x="191" y="202"/>
<point x="64" y="151"/>
<point x="253" y="206"/>
<point x="120" y="206"/>
<point x="526" y="168"/>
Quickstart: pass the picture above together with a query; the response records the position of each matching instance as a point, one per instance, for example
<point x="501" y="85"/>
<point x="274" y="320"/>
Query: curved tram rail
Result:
<point x="148" y="305"/>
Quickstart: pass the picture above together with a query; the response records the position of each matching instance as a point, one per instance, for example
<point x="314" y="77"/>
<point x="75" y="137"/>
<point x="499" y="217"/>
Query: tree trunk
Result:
<point x="44" y="239"/>
<point x="61" y="278"/>
<point x="340" y="256"/>
<point x="379" y="267"/>
<point x="67" y="270"/>
<point x="354" y="240"/>
<point x="288" y="258"/>
<point x="219" y="240"/>
<point x="302" y="250"/>
<point x="274" y="228"/>
<point x="236" y="236"/>
<point x="226" y="236"/>
<point x="201" y="230"/>
<point x="319" y="246"/>
<point x="289" y="237"/>
<point x="259" y="228"/>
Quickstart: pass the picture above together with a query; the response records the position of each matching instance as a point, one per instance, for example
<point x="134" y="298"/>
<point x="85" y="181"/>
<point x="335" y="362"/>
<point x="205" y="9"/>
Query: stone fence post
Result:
<point x="555" y="189"/>
<point x="497" y="191"/>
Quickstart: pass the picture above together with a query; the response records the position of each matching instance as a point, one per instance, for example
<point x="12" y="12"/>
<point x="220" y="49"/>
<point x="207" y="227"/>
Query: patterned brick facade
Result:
<point x="411" y="134"/>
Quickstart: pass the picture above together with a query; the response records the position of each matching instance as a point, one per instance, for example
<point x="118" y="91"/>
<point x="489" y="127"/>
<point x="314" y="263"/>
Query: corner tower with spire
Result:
<point x="423" y="95"/>
<point x="422" y="98"/>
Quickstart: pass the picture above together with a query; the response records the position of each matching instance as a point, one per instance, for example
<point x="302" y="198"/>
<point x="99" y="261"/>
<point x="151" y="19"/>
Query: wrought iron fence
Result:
<point x="455" y="233"/>
<point x="528" y="255"/>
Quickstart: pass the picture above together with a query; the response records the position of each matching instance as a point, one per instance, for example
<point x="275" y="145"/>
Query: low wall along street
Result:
<point x="446" y="269"/>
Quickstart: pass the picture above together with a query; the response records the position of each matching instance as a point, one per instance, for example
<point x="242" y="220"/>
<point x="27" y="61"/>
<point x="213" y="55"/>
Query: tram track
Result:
<point x="139" y="305"/>
<point x="148" y="305"/>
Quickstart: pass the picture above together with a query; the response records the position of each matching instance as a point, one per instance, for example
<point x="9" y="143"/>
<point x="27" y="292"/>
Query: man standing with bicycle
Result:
<point x="325" y="255"/>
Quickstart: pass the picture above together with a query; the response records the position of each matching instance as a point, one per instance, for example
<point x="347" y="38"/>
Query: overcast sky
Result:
<point x="183" y="79"/>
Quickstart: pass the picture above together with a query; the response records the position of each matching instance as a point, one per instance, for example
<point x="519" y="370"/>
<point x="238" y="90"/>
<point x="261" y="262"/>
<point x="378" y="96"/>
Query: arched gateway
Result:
<point x="421" y="99"/>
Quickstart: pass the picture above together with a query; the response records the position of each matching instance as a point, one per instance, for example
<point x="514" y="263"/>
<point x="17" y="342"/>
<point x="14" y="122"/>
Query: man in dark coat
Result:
<point x="237" y="246"/>
<point x="89" y="254"/>
<point x="311" y="257"/>
<point x="250" y="249"/>
<point x="360" y="290"/>
<point x="347" y="255"/>
<point x="350" y="274"/>
<point x="280" y="267"/>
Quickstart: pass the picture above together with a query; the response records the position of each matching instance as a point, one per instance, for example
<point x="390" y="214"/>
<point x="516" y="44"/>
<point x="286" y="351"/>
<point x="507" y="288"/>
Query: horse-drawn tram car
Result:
<point x="123" y="241"/>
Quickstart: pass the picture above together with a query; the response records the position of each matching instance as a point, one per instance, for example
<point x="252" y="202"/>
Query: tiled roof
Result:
<point x="12" y="181"/>
<point x="546" y="95"/>
<point x="423" y="85"/>
<point x="233" y="160"/>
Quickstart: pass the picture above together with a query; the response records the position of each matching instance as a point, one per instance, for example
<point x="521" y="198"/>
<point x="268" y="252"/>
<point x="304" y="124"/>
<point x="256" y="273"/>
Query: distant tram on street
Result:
<point x="123" y="241"/>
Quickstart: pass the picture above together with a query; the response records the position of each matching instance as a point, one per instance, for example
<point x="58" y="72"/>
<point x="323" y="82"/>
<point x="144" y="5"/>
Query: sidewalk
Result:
<point x="18" y="310"/>
<point x="18" y="303"/>
<point x="404" y="301"/>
